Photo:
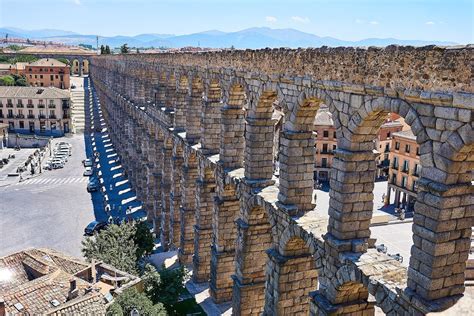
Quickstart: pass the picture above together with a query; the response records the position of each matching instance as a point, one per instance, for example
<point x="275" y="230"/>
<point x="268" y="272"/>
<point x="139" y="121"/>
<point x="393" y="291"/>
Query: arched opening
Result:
<point x="254" y="238"/>
<point x="206" y="187"/>
<point x="194" y="110"/>
<point x="441" y="228"/>
<point x="296" y="157"/>
<point x="75" y="67"/>
<point x="181" y="104"/>
<point x="177" y="161"/>
<point x="85" y="67"/>
<point x="188" y="205"/>
<point x="166" y="199"/>
<point x="292" y="276"/>
<point x="210" y="118"/>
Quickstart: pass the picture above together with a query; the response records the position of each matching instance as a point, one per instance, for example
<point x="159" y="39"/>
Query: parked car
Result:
<point x="87" y="162"/>
<point x="94" y="227"/>
<point x="93" y="185"/>
<point x="88" y="172"/>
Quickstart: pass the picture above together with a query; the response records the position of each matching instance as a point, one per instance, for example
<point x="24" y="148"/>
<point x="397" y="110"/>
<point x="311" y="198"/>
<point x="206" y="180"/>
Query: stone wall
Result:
<point x="260" y="243"/>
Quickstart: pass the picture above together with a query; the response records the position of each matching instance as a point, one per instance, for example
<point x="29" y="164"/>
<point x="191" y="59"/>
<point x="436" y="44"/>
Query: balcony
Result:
<point x="20" y="105"/>
<point x="10" y="116"/>
<point x="326" y="152"/>
<point x="66" y="116"/>
<point x="52" y="117"/>
<point x="31" y="116"/>
<point x="51" y="106"/>
<point x="41" y="106"/>
<point x="30" y="106"/>
<point x="405" y="170"/>
<point x="9" y="105"/>
<point x="20" y="116"/>
<point x="42" y="116"/>
<point x="394" y="166"/>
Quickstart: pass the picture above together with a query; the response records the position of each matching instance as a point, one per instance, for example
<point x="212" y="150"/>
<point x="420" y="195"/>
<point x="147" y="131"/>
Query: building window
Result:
<point x="387" y="147"/>
<point x="42" y="127"/>
<point x="51" y="69"/>
<point x="325" y="148"/>
<point x="11" y="126"/>
<point x="31" y="76"/>
<point x="32" y="127"/>
<point x="36" y="77"/>
<point x="51" y="77"/>
<point x="417" y="170"/>
<point x="41" y="76"/>
<point x="10" y="114"/>
<point x="56" y="76"/>
<point x="334" y="147"/>
<point x="407" y="148"/>
<point x="405" y="166"/>
<point x="52" y="115"/>
<point x="22" y="124"/>
<point x="324" y="162"/>
<point x="394" y="178"/>
<point x="417" y="151"/>
<point x="397" y="146"/>
<point x="41" y="84"/>
<point x="388" y="134"/>
<point x="334" y="134"/>
<point x="53" y="126"/>
<point x="325" y="133"/>
<point x="404" y="182"/>
<point x="395" y="163"/>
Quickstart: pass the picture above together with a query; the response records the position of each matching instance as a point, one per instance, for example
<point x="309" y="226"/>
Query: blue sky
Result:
<point x="447" y="20"/>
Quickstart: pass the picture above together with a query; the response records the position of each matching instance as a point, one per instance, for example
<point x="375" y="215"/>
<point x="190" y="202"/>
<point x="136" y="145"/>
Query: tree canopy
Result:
<point x="124" y="49"/>
<point x="131" y="299"/>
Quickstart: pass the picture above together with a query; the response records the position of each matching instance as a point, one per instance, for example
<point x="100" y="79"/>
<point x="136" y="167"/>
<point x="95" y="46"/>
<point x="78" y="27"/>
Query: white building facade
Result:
<point x="38" y="110"/>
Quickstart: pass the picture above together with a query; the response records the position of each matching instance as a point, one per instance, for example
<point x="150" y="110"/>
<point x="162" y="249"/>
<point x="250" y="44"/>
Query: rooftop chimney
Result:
<point x="2" y="307"/>
<point x="73" y="291"/>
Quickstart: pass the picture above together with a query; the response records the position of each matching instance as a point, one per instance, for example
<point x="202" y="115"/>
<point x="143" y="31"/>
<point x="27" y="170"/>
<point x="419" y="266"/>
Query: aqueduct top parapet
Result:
<point x="425" y="68"/>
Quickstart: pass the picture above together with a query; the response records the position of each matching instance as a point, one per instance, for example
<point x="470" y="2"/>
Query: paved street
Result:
<point x="48" y="211"/>
<point x="51" y="210"/>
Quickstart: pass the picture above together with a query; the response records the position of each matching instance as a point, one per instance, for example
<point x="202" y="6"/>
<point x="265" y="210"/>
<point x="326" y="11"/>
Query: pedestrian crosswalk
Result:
<point x="48" y="181"/>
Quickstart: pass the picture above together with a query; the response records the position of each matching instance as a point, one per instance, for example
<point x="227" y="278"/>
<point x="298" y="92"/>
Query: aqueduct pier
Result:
<point x="196" y="138"/>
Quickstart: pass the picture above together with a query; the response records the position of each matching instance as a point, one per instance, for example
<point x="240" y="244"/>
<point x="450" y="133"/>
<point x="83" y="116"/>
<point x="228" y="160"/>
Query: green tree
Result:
<point x="102" y="49"/>
<point x="130" y="299"/>
<point x="124" y="49"/>
<point x="107" y="49"/>
<point x="64" y="60"/>
<point x="21" y="82"/>
<point x="7" y="80"/>
<point x="115" y="246"/>
<point x="172" y="285"/>
<point x="143" y="239"/>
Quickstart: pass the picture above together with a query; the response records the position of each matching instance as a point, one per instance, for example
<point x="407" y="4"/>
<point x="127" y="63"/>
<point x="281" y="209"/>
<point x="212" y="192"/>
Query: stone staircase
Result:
<point x="77" y="109"/>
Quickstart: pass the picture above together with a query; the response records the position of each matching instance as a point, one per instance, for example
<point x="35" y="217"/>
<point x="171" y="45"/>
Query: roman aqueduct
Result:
<point x="196" y="137"/>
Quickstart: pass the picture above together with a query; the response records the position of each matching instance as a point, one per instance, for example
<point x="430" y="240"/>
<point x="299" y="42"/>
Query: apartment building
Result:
<point x="326" y="143"/>
<point x="48" y="72"/>
<point x="404" y="171"/>
<point x="43" y="111"/>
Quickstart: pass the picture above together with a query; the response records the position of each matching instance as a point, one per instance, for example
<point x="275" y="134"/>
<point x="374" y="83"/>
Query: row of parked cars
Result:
<point x="59" y="157"/>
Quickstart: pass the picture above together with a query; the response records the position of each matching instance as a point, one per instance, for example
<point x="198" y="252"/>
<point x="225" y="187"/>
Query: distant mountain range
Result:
<point x="257" y="37"/>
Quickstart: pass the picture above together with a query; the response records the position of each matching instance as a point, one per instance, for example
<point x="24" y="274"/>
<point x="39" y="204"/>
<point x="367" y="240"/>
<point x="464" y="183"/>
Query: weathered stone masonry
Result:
<point x="195" y="134"/>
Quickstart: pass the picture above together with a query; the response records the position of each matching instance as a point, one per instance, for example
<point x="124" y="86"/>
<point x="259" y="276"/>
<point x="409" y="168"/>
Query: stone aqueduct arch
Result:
<point x="202" y="125"/>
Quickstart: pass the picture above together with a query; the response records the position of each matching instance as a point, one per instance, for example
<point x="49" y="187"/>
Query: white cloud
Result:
<point x="270" y="19"/>
<point x="374" y="22"/>
<point x="430" y="23"/>
<point x="359" y="21"/>
<point x="300" y="19"/>
<point x="77" y="2"/>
